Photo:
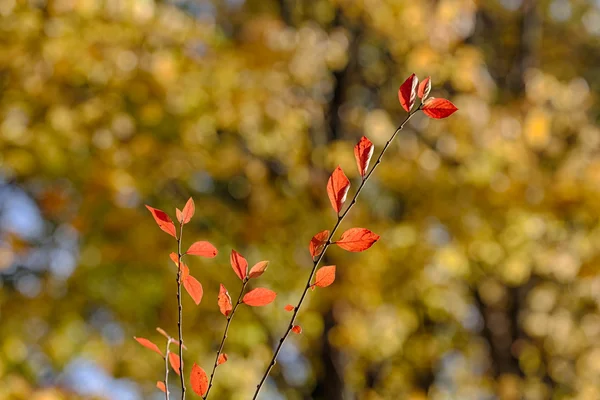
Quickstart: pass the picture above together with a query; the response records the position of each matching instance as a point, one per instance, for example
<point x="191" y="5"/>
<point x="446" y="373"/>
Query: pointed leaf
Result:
<point x="407" y="93"/>
<point x="337" y="188"/>
<point x="259" y="297"/>
<point x="297" y="329"/>
<point x="178" y="215"/>
<point x="438" y="108"/>
<point x="363" y="151"/>
<point x="161" y="386"/>
<point x="163" y="220"/>
<point x="148" y="344"/>
<point x="198" y="380"/>
<point x="174" y="258"/>
<point x="174" y="361"/>
<point x="317" y="242"/>
<point x="357" y="239"/>
<point x="325" y="276"/>
<point x="162" y="332"/>
<point x="222" y="358"/>
<point x="289" y="307"/>
<point x="188" y="211"/>
<point x="239" y="264"/>
<point x="258" y="269"/>
<point x="202" y="249"/>
<point x="224" y="301"/>
<point x="424" y="88"/>
<point x="194" y="288"/>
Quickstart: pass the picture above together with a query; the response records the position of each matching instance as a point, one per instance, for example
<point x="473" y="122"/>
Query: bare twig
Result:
<point x="180" y="317"/>
<point x="167" y="369"/>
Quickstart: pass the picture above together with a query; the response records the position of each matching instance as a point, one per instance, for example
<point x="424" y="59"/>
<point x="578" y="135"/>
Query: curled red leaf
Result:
<point x="357" y="239"/>
<point x="363" y="151"/>
<point x="163" y="221"/>
<point x="239" y="264"/>
<point x="438" y="108"/>
<point x="325" y="276"/>
<point x="198" y="380"/>
<point x="202" y="249"/>
<point x="259" y="297"/>
<point x="224" y="301"/>
<point x="297" y="329"/>
<point x="317" y="242"/>
<point x="222" y="358"/>
<point x="148" y="344"/>
<point x="289" y="307"/>
<point x="407" y="93"/>
<point x="424" y="88"/>
<point x="337" y="188"/>
<point x="194" y="288"/>
<point x="258" y="269"/>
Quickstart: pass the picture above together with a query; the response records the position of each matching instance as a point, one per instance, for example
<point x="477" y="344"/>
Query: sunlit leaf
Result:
<point x="337" y="188"/>
<point x="194" y="288"/>
<point x="202" y="249"/>
<point x="357" y="239"/>
<point x="407" y="93"/>
<point x="438" y="108"/>
<point x="363" y="151"/>
<point x="259" y="297"/>
<point x="224" y="301"/>
<point x="258" y="269"/>
<point x="148" y="344"/>
<point x="163" y="220"/>
<point x="317" y="242"/>
<point x="325" y="276"/>
<point x="239" y="264"/>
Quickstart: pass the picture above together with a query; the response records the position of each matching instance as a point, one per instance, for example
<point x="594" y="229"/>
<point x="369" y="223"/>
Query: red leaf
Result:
<point x="174" y="258"/>
<point x="258" y="269"/>
<point x="424" y="88"/>
<point x="289" y="307"/>
<point x="174" y="361"/>
<point x="178" y="214"/>
<point x="188" y="211"/>
<point x="357" y="239"/>
<point x="317" y="242"/>
<point x="198" y="380"/>
<point x="224" y="301"/>
<point x="161" y="386"/>
<point x="202" y="249"/>
<point x="194" y="288"/>
<point x="363" y="151"/>
<point x="408" y="92"/>
<point x="259" y="297"/>
<point x="185" y="273"/>
<point x="148" y="344"/>
<point x="163" y="220"/>
<point x="337" y="188"/>
<point x="438" y="108"/>
<point x="325" y="276"/>
<point x="239" y="264"/>
<point x="222" y="358"/>
<point x="297" y="329"/>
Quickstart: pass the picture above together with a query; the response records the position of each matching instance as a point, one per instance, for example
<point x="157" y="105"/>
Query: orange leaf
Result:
<point x="185" y="273"/>
<point x="363" y="151"/>
<point x="203" y="249"/>
<point x="407" y="93"/>
<point x="224" y="301"/>
<point x="337" y="188"/>
<point x="222" y="358"/>
<point x="357" y="239"/>
<point x="258" y="269"/>
<point x="148" y="344"/>
<point x="239" y="264"/>
<point x="198" y="380"/>
<point x="317" y="242"/>
<point x="325" y="276"/>
<point x="161" y="386"/>
<point x="289" y="307"/>
<point x="259" y="297"/>
<point x="178" y="214"/>
<point x="297" y="329"/>
<point x="188" y="211"/>
<point x="438" y="108"/>
<point x="174" y="258"/>
<point x="194" y="288"/>
<point x="424" y="88"/>
<point x="163" y="220"/>
<point x="174" y="361"/>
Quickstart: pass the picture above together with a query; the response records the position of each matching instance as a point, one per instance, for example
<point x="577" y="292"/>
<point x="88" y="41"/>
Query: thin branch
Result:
<point x="180" y="317"/>
<point x="167" y="369"/>
<point x="326" y="246"/>
<point x="229" y="318"/>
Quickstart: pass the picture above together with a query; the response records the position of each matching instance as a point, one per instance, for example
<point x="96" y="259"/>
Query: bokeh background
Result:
<point x="483" y="286"/>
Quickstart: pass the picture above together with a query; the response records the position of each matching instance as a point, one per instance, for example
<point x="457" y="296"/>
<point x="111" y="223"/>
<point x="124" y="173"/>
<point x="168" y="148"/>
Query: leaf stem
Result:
<point x="318" y="260"/>
<point x="229" y="318"/>
<point x="180" y="308"/>
<point x="167" y="369"/>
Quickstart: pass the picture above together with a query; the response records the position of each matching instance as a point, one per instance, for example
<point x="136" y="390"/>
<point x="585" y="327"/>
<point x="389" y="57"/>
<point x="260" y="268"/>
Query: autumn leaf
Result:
<point x="161" y="386"/>
<point x="289" y="307"/>
<point x="224" y="301"/>
<point x="337" y="188"/>
<point x="317" y="242"/>
<point x="357" y="239"/>
<point x="222" y="358"/>
<point x="239" y="264"/>
<point x="259" y="297"/>
<point x="297" y="329"/>
<point x="407" y="93"/>
<point x="162" y="332"/>
<point x="174" y="258"/>
<point x="424" y="88"/>
<point x="194" y="288"/>
<point x="325" y="276"/>
<point x="202" y="249"/>
<point x="438" y="108"/>
<point x="148" y="344"/>
<point x="188" y="211"/>
<point x="363" y="151"/>
<point x="258" y="269"/>
<point x="174" y="361"/>
<point x="178" y="215"/>
<point x="198" y="380"/>
<point x="163" y="220"/>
